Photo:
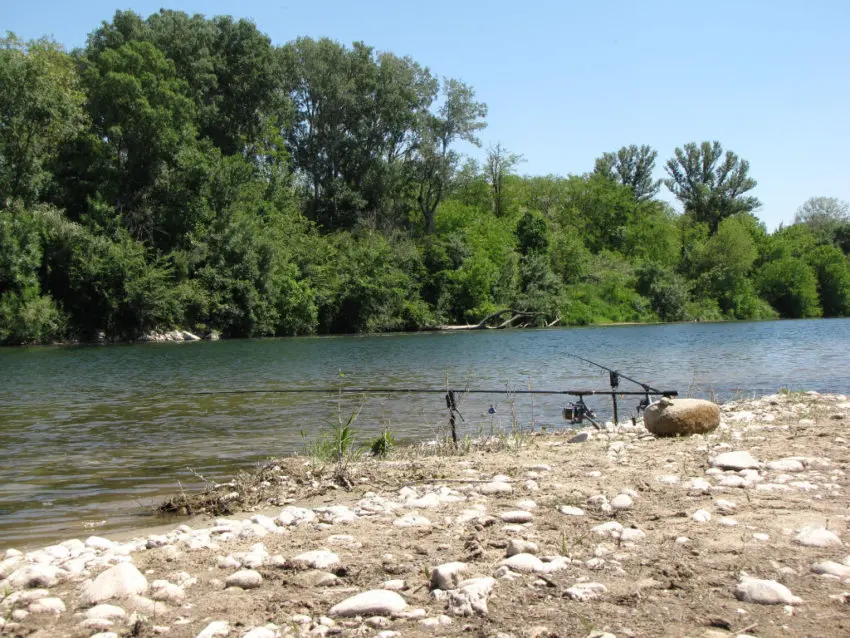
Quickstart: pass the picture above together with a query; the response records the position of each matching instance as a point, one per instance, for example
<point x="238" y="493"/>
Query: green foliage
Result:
<point x="823" y="216"/>
<point x="711" y="185"/>
<point x="383" y="444"/>
<point x="833" y="280"/>
<point x="632" y="166"/>
<point x="532" y="234"/>
<point x="180" y="171"/>
<point x="790" y="286"/>
<point x="40" y="108"/>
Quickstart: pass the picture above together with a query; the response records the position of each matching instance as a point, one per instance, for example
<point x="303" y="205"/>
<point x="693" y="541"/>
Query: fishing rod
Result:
<point x="575" y="413"/>
<point x="614" y="380"/>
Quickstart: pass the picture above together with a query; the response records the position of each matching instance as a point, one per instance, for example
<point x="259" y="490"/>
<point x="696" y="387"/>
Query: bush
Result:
<point x="790" y="286"/>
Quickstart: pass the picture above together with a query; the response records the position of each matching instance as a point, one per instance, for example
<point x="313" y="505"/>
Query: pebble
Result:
<point x="245" y="578"/>
<point x="214" y="629"/>
<point x="50" y="605"/>
<point x="817" y="537"/>
<point x="733" y="481"/>
<point x="394" y="585"/>
<point x="786" y="465"/>
<point x="611" y="528"/>
<point x="269" y="631"/>
<point x="317" y="559"/>
<point x="470" y="598"/>
<point x="447" y="575"/>
<point x="105" y="611"/>
<point x="699" y="486"/>
<point x="121" y="580"/>
<point x="740" y="460"/>
<point x="582" y="592"/>
<point x="701" y="516"/>
<point x="765" y="592"/>
<point x="32" y="576"/>
<point x="832" y="568"/>
<point x="518" y="516"/>
<point x="524" y="563"/>
<point x="412" y="520"/>
<point x="496" y="487"/>
<point x="581" y="437"/>
<point x="376" y="602"/>
<point x="569" y="510"/>
<point x="761" y="536"/>
<point x="622" y="502"/>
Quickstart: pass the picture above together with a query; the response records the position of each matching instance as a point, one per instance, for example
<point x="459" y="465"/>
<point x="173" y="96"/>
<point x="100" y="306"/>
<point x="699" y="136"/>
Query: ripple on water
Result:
<point x="102" y="433"/>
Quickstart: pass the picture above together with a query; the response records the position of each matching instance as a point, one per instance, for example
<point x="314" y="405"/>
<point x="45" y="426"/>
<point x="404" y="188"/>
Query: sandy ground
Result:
<point x="668" y="562"/>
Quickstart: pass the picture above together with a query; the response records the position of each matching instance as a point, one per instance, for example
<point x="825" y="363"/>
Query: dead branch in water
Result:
<point x="516" y="316"/>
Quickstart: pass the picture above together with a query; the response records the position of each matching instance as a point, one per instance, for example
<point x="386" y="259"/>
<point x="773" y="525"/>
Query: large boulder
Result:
<point x="681" y="417"/>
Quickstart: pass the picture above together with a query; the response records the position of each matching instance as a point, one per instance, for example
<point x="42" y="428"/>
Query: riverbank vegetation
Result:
<point x="184" y="171"/>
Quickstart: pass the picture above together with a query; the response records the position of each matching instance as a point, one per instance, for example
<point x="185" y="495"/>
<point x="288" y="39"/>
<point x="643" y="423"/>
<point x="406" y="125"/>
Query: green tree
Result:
<point x="40" y="108"/>
<point x="823" y="216"/>
<point x="500" y="164"/>
<point x="458" y="118"/>
<point x="790" y="286"/>
<point x="711" y="186"/>
<point x="632" y="166"/>
<point x="833" y="279"/>
<point x="26" y="315"/>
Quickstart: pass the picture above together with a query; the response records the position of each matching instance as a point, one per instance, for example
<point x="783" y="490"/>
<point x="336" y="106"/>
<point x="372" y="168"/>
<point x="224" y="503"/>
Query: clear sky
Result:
<point x="567" y="81"/>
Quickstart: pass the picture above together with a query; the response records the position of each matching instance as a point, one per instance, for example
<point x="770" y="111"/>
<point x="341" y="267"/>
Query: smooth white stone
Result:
<point x="122" y="580"/>
<point x="622" y="502"/>
<point x="50" y="605"/>
<point x="817" y="537"/>
<point x="786" y="465"/>
<point x="569" y="510"/>
<point x="831" y="568"/>
<point x="765" y="592"/>
<point x="163" y="590"/>
<point x="291" y="515"/>
<point x="496" y="487"/>
<point x="245" y="578"/>
<point x="214" y="629"/>
<point x="105" y="611"/>
<point x="412" y="520"/>
<point x="739" y="460"/>
<point x="699" y="486"/>
<point x="269" y="631"/>
<point x="701" y="516"/>
<point x="31" y="576"/>
<point x="517" y="517"/>
<point x="318" y="559"/>
<point x="377" y="602"/>
<point x="524" y="563"/>
<point x="610" y="528"/>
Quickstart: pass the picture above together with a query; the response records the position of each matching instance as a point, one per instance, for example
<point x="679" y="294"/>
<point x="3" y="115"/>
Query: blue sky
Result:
<point x="567" y="81"/>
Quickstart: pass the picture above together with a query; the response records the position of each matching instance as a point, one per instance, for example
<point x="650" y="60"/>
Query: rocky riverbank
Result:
<point x="739" y="532"/>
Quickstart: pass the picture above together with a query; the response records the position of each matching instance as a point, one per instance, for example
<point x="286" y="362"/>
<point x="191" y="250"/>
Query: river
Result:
<point x="93" y="436"/>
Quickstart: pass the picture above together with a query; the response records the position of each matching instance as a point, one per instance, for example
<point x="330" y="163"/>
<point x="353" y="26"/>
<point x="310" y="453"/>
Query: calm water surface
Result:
<point x="92" y="434"/>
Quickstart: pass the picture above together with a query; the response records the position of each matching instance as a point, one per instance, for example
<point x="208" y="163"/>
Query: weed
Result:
<point x="383" y="444"/>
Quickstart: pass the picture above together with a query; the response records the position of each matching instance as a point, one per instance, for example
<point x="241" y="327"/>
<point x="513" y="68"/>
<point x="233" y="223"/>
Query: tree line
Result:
<point x="179" y="171"/>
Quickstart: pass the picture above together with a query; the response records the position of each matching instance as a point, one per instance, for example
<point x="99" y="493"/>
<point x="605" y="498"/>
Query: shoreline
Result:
<point x="438" y="329"/>
<point x="621" y="533"/>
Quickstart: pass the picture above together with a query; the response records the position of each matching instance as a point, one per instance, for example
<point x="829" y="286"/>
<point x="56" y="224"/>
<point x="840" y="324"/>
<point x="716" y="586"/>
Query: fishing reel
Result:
<point x="577" y="411"/>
